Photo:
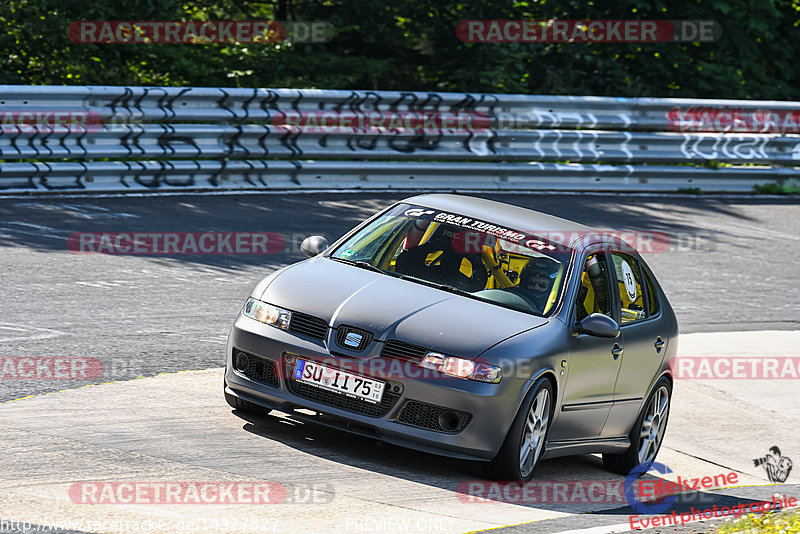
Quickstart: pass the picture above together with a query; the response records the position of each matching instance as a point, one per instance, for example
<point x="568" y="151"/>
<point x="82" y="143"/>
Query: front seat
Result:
<point x="446" y="267"/>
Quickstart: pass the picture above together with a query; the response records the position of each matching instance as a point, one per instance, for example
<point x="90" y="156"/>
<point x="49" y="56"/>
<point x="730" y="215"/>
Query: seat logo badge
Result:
<point x="352" y="339"/>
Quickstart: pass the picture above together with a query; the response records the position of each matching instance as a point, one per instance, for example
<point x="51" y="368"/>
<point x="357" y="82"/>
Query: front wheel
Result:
<point x="524" y="443"/>
<point x="647" y="433"/>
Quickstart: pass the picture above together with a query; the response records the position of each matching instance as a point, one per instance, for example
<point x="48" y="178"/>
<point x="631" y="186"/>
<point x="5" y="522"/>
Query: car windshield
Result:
<point x="478" y="259"/>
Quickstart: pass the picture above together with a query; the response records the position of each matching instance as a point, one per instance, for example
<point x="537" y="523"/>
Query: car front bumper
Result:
<point x="491" y="407"/>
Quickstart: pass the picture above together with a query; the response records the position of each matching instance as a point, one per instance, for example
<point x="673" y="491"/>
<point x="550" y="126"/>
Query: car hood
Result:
<point x="391" y="308"/>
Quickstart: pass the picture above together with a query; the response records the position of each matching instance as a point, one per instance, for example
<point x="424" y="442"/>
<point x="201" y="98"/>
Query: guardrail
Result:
<point x="57" y="139"/>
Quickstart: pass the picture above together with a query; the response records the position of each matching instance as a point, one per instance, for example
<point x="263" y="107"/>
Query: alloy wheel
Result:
<point x="534" y="433"/>
<point x="653" y="425"/>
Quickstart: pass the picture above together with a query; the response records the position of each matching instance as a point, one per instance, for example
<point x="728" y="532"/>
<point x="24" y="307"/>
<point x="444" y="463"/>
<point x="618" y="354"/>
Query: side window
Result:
<point x="593" y="295"/>
<point x="652" y="298"/>
<point x="629" y="280"/>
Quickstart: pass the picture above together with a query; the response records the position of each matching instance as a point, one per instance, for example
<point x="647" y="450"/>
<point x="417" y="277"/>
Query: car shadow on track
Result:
<point x="576" y="473"/>
<point x="449" y="474"/>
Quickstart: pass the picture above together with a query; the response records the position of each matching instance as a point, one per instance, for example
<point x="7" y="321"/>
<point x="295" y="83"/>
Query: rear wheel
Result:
<point x="647" y="433"/>
<point x="524" y="443"/>
<point x="242" y="405"/>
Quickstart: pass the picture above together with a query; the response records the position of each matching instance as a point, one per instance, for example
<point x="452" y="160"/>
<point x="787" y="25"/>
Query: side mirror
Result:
<point x="598" y="325"/>
<point x="311" y="246"/>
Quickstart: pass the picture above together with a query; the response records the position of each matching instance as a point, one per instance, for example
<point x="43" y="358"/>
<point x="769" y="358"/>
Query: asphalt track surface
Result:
<point x="730" y="267"/>
<point x="174" y="428"/>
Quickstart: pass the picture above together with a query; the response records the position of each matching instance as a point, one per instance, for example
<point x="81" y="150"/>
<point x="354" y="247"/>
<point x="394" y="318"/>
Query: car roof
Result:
<point x="508" y="215"/>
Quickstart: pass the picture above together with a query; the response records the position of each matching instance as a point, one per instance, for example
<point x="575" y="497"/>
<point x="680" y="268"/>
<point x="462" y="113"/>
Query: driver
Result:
<point x="535" y="283"/>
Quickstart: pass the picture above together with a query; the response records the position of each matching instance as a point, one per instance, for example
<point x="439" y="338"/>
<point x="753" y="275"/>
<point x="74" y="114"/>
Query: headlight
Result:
<point x="267" y="313"/>
<point x="461" y="368"/>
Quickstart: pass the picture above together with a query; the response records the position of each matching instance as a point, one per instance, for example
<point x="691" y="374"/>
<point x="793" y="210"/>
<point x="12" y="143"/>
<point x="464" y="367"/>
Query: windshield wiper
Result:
<point x="443" y="287"/>
<point x="363" y="264"/>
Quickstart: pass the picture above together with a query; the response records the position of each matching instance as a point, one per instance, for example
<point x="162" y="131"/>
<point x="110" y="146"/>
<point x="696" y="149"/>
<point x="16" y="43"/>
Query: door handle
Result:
<point x="616" y="351"/>
<point x="659" y="344"/>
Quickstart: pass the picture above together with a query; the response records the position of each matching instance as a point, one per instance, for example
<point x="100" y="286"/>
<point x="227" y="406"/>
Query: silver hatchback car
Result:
<point x="467" y="328"/>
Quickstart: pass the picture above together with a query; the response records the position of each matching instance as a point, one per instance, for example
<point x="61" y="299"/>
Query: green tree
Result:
<point x="412" y="45"/>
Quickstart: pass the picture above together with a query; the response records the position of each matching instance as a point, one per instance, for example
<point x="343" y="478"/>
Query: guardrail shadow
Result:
<point x="45" y="224"/>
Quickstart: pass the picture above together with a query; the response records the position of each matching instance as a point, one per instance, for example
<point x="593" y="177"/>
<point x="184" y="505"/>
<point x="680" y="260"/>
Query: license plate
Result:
<point x="348" y="384"/>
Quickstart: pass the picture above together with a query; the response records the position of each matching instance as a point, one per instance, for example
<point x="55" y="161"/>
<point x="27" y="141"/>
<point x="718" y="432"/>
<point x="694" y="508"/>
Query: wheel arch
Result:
<point x="547" y="373"/>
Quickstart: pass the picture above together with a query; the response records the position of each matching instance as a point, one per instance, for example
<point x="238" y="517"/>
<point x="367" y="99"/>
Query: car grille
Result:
<point x="404" y="352"/>
<point x="256" y="368"/>
<point x="308" y="325"/>
<point x="433" y="417"/>
<point x="363" y="341"/>
<point x="339" y="400"/>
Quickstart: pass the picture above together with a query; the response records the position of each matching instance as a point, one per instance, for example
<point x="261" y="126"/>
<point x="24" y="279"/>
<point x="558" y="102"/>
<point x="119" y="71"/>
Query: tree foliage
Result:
<point x="412" y="45"/>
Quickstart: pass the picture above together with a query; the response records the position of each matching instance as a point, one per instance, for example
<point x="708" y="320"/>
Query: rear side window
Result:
<point x="631" y="289"/>
<point x="652" y="298"/>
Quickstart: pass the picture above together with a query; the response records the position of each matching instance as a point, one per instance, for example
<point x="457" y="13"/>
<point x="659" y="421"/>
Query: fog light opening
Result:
<point x="242" y="362"/>
<point x="449" y="421"/>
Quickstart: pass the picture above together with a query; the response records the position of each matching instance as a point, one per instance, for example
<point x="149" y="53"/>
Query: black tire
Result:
<point x="624" y="462"/>
<point x="242" y="405"/>
<point x="507" y="464"/>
